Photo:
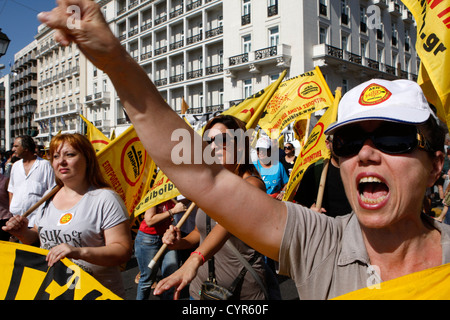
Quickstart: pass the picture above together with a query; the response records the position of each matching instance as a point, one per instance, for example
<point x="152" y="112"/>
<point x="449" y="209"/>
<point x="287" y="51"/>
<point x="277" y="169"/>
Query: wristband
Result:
<point x="170" y="213"/>
<point x="200" y="254"/>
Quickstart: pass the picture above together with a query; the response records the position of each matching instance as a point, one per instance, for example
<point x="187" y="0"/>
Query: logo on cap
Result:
<point x="374" y="94"/>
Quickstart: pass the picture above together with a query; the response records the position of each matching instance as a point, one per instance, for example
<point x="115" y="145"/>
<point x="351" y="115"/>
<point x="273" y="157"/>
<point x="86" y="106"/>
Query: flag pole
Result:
<point x="44" y="198"/>
<point x="326" y="163"/>
<point x="164" y="246"/>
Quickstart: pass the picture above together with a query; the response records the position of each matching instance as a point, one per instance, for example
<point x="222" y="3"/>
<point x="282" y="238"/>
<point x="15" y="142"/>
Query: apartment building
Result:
<point x="23" y="94"/>
<point x="214" y="53"/>
<point x="4" y="112"/>
<point x="61" y="87"/>
<point x="351" y="42"/>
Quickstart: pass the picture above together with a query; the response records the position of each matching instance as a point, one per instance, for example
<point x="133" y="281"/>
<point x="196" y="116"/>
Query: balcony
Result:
<point x="194" y="5"/>
<point x="214" y="32"/>
<point x="98" y="98"/>
<point x="102" y="124"/>
<point x="272" y="10"/>
<point x="394" y="9"/>
<point x="277" y="55"/>
<point x="407" y="16"/>
<point x="246" y="19"/>
<point x="194" y="39"/>
<point x="345" y="61"/>
<point x="381" y="3"/>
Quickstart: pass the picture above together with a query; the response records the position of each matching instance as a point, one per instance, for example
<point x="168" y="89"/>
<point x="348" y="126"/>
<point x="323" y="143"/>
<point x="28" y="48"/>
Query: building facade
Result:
<point x="23" y="93"/>
<point x="61" y="87"/>
<point x="213" y="54"/>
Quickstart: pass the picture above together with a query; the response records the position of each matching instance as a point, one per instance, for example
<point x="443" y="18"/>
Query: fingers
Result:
<point x="15" y="224"/>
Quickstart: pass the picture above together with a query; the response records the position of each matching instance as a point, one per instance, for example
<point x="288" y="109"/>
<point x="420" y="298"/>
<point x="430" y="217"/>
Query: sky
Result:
<point x="19" y="22"/>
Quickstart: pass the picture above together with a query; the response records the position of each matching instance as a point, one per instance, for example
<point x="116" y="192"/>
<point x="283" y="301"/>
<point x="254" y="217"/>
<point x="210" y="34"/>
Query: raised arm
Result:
<point x="244" y="210"/>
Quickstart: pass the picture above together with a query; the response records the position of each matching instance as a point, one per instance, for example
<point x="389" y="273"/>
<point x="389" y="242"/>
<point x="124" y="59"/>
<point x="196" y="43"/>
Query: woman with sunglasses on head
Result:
<point x="85" y="221"/>
<point x="385" y="175"/>
<point x="229" y="145"/>
<point x="288" y="160"/>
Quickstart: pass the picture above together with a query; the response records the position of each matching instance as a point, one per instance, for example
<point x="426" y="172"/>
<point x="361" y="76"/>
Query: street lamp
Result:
<point x="4" y="43"/>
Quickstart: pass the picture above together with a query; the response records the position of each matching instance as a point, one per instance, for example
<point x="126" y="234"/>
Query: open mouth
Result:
<point x="372" y="191"/>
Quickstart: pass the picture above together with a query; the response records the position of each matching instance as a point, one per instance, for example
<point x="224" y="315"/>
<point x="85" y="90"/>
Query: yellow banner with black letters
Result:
<point x="25" y="275"/>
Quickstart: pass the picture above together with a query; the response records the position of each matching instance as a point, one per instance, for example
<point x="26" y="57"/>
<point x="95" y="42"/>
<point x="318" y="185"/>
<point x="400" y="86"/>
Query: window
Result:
<point x="246" y="12"/>
<point x="248" y="88"/>
<point x="247" y="43"/>
<point x="323" y="7"/>
<point x="363" y="49"/>
<point x="323" y="32"/>
<point x="344" y="42"/>
<point x="407" y="40"/>
<point x="394" y="34"/>
<point x="274" y="36"/>
<point x="363" y="19"/>
<point x="344" y="12"/>
<point x="380" y="52"/>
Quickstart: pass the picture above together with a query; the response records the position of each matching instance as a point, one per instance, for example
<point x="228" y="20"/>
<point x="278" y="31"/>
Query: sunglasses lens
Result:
<point x="396" y="139"/>
<point x="389" y="138"/>
<point x="348" y="141"/>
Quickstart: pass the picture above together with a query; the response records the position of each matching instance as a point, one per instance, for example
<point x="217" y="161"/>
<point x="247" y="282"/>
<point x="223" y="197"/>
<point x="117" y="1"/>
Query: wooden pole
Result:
<point x="164" y="246"/>
<point x="323" y="179"/>
<point x="45" y="198"/>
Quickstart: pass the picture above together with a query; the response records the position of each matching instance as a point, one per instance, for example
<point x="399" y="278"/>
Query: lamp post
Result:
<point x="4" y="43"/>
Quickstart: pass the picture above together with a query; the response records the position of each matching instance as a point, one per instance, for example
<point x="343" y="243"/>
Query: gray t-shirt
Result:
<point x="326" y="257"/>
<point x="83" y="226"/>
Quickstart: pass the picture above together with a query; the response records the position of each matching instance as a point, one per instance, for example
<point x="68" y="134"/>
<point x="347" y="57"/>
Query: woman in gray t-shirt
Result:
<point x="85" y="220"/>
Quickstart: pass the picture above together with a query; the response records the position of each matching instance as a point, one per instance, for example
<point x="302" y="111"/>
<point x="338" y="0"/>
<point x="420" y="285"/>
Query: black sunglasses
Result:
<point x="220" y="140"/>
<point x="390" y="138"/>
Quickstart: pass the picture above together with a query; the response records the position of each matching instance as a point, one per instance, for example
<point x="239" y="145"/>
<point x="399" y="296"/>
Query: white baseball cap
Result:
<point x="397" y="101"/>
<point x="263" y="143"/>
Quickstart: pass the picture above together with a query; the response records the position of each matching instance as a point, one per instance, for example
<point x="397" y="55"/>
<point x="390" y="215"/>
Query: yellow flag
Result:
<point x="250" y="110"/>
<point x="25" y="275"/>
<point x="184" y="106"/>
<point x="95" y="136"/>
<point x="295" y="98"/>
<point x="163" y="189"/>
<point x="127" y="167"/>
<point x="433" y="45"/>
<point x="429" y="284"/>
<point x="314" y="149"/>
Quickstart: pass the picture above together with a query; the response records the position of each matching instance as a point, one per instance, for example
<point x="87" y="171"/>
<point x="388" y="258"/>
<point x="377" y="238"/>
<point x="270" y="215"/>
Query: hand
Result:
<point x="85" y="26"/>
<point x="321" y="210"/>
<point x="180" y="278"/>
<point x="60" y="252"/>
<point x="179" y="207"/>
<point x="171" y="236"/>
<point x="16" y="225"/>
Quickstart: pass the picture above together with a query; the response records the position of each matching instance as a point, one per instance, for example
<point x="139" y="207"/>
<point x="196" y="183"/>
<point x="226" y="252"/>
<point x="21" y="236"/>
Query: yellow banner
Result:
<point x="432" y="45"/>
<point x="295" y="98"/>
<point x="127" y="167"/>
<point x="314" y="149"/>
<point x="429" y="284"/>
<point x="25" y="275"/>
<point x="95" y="136"/>
<point x="250" y="109"/>
<point x="162" y="190"/>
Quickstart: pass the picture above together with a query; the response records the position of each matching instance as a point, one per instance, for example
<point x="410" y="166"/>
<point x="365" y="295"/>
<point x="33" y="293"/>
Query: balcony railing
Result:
<point x="214" y="32"/>
<point x="266" y="53"/>
<point x="242" y="58"/>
